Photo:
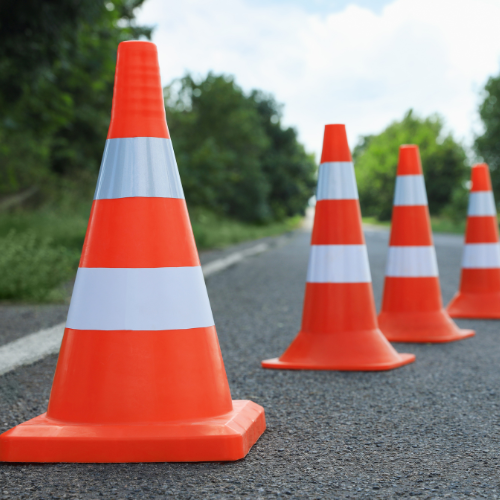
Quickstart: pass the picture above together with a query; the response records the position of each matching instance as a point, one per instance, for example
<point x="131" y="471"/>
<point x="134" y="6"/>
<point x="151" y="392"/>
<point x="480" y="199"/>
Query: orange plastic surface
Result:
<point x="335" y="146"/>
<point x="224" y="437"/>
<point x="478" y="296"/>
<point x="347" y="229"/>
<point x="481" y="229"/>
<point x="411" y="226"/>
<point x="480" y="177"/>
<point x="411" y="294"/>
<point x="409" y="160"/>
<point x="412" y="312"/>
<point x="138" y="396"/>
<point x="339" y="332"/>
<point x="138" y="109"/>
<point x="139" y="232"/>
<point x="139" y="376"/>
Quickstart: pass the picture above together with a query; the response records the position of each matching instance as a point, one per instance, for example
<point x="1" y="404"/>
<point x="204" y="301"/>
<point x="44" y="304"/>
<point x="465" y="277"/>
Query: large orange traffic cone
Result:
<point x="412" y="309"/>
<point x="339" y="324"/>
<point x="479" y="294"/>
<point x="140" y="376"/>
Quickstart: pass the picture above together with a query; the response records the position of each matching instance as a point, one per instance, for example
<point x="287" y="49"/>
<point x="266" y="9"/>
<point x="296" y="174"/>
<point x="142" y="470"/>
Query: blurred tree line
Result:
<point x="234" y="156"/>
<point x="487" y="145"/>
<point x="57" y="62"/>
<point x="444" y="163"/>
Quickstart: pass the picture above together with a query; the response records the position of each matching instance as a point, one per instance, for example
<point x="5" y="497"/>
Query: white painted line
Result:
<point x="220" y="264"/>
<point x="36" y="346"/>
<point x="31" y="348"/>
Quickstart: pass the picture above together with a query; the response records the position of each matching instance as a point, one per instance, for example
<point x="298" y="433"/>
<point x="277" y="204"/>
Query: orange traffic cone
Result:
<point x="339" y="324"/>
<point x="140" y="376"/>
<point x="479" y="295"/>
<point x="412" y="310"/>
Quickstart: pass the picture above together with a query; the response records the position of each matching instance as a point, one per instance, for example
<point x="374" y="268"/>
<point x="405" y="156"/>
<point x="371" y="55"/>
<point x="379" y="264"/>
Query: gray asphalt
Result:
<point x="427" y="430"/>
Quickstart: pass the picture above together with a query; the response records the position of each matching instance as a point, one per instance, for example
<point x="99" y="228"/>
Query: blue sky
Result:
<point x="363" y="62"/>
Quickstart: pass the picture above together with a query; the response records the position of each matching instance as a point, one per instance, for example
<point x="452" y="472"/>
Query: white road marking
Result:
<point x="36" y="346"/>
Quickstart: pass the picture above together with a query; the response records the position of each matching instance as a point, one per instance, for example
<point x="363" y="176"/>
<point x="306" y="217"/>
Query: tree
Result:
<point x="487" y="145"/>
<point x="233" y="154"/>
<point x="376" y="158"/>
<point x="57" y="63"/>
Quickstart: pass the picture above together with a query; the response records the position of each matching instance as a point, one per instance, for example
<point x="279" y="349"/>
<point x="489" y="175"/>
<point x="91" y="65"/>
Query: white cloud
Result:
<point x="353" y="67"/>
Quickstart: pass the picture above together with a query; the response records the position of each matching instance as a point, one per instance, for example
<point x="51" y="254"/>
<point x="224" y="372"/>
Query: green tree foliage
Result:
<point x="234" y="156"/>
<point x="376" y="158"/>
<point x="57" y="63"/>
<point x="488" y="144"/>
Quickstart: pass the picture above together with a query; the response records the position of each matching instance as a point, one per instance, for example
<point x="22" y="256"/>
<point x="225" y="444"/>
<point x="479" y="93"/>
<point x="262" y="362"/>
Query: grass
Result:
<point x="211" y="231"/>
<point x="40" y="250"/>
<point x="438" y="224"/>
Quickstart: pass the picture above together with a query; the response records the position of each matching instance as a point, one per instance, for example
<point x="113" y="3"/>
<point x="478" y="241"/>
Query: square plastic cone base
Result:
<point x="226" y="437"/>
<point x="402" y="359"/>
<point x="475" y="305"/>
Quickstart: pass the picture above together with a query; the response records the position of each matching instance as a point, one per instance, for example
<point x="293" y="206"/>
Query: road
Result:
<point x="427" y="430"/>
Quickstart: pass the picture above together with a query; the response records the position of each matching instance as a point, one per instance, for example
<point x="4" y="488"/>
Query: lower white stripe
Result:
<point x="165" y="298"/>
<point x="338" y="264"/>
<point x="410" y="190"/>
<point x="481" y="203"/>
<point x="481" y="255"/>
<point x="411" y="262"/>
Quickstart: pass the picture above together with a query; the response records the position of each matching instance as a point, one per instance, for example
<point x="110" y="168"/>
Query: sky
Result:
<point x="359" y="62"/>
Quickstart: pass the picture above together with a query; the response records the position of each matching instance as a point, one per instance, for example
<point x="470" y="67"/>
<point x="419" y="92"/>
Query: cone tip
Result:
<point x="138" y="109"/>
<point x="335" y="145"/>
<point x="480" y="177"/>
<point x="409" y="160"/>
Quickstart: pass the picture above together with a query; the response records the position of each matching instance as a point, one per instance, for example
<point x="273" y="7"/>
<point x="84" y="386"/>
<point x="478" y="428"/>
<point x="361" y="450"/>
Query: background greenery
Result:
<point x="245" y="175"/>
<point x="444" y="163"/>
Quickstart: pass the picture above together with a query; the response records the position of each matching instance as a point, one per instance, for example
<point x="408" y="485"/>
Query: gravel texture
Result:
<point x="427" y="430"/>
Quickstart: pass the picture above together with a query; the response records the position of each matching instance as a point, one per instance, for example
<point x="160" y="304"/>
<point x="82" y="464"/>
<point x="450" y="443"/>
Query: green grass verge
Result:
<point x="438" y="224"/>
<point x="39" y="251"/>
<point x="212" y="231"/>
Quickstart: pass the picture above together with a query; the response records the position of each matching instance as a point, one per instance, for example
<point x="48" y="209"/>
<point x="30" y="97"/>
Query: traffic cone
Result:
<point x="479" y="294"/>
<point x="412" y="310"/>
<point x="140" y="376"/>
<point x="339" y="324"/>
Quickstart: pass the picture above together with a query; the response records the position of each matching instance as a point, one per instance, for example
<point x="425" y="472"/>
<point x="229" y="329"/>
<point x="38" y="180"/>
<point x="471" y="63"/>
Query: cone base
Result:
<point x="404" y="359"/>
<point x="366" y="350"/>
<point x="430" y="327"/>
<point x="475" y="305"/>
<point x="222" y="438"/>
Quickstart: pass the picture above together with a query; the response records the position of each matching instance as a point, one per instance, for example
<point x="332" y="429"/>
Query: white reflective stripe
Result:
<point x="481" y="203"/>
<point x="411" y="262"/>
<point x="336" y="181"/>
<point x="481" y="255"/>
<point x="163" y="298"/>
<point x="338" y="264"/>
<point x="138" y="166"/>
<point x="410" y="190"/>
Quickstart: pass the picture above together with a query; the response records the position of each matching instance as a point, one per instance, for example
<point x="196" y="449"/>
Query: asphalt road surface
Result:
<point x="427" y="430"/>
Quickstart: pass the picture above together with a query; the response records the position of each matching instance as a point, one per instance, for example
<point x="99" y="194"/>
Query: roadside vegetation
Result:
<point x="245" y="175"/>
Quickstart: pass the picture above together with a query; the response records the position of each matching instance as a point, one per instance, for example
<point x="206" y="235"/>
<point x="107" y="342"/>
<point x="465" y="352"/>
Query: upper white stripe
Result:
<point x="138" y="166"/>
<point x="164" y="298"/>
<point x="410" y="190"/>
<point x="481" y="255"/>
<point x="336" y="181"/>
<point x="481" y="203"/>
<point x="338" y="264"/>
<point x="411" y="262"/>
